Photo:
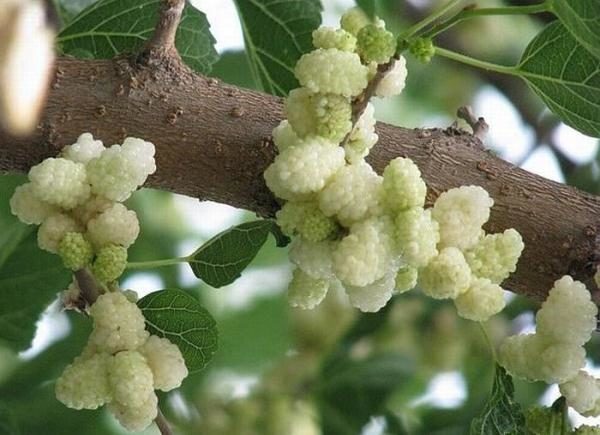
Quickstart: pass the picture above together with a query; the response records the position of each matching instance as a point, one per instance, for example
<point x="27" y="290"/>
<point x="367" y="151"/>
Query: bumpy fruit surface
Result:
<point x="76" y="252"/>
<point x="84" y="383"/>
<point x="306" y="292"/>
<point x="375" y="44"/>
<point x="110" y="263"/>
<point x="60" y="182"/>
<point x="446" y="276"/>
<point x="166" y="362"/>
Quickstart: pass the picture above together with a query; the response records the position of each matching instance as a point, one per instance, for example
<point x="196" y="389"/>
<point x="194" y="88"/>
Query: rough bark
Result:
<point x="213" y="143"/>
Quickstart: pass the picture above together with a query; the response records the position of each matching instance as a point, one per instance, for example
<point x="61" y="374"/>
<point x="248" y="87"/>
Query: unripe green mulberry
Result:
<point x="110" y="263"/>
<point x="375" y="44"/>
<point x="316" y="114"/>
<point x="423" y="49"/>
<point x="166" y="362"/>
<point x="446" y="276"/>
<point x="84" y="383"/>
<point x="76" y="252"/>
<point x="307" y="220"/>
<point x="130" y="378"/>
<point x="328" y="37"/>
<point x="354" y="20"/>
<point x="306" y="292"/>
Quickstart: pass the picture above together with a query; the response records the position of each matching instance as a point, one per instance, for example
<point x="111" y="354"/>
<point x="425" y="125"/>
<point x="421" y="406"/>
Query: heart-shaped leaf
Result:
<point x="179" y="317"/>
<point x="221" y="260"/>
<point x="582" y="19"/>
<point x="565" y="75"/>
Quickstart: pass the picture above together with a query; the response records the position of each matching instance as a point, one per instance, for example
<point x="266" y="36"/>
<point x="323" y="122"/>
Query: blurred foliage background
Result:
<point x="413" y="368"/>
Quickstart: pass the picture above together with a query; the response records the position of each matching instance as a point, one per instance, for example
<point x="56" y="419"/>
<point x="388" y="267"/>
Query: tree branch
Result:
<point x="163" y="424"/>
<point x="166" y="28"/>
<point x="213" y="143"/>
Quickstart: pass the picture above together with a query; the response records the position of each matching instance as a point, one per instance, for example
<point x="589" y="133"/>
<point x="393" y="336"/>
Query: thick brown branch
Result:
<point x="213" y="143"/>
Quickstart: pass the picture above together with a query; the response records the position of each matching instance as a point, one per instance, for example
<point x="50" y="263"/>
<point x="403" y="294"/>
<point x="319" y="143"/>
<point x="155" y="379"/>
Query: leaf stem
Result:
<point x="157" y="263"/>
<point x="467" y="60"/>
<point x="163" y="424"/>
<point x="473" y="12"/>
<point x="488" y="341"/>
<point x="429" y="19"/>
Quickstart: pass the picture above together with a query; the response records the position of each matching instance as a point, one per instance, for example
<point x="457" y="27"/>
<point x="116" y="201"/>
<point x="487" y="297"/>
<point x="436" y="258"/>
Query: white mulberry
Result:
<point x="84" y="383"/>
<point x="582" y="392"/>
<point x="362" y="137"/>
<point x="394" y="80"/>
<point x="53" y="229"/>
<point x="60" y="182"/>
<point x="166" y="362"/>
<point x="403" y="187"/>
<point x="416" y="235"/>
<point x="25" y="205"/>
<point x="130" y="378"/>
<point x="329" y="37"/>
<point x="116" y="225"/>
<point x="446" y="276"/>
<point x="364" y="255"/>
<point x="352" y="194"/>
<point x="307" y="220"/>
<point x="461" y="212"/>
<point x="313" y="258"/>
<point x="118" y="324"/>
<point x="84" y="150"/>
<point x="303" y="170"/>
<point x="306" y="292"/>
<point x="372" y="297"/>
<point x="495" y="256"/>
<point x="332" y="71"/>
<point x="136" y="418"/>
<point x="482" y="300"/>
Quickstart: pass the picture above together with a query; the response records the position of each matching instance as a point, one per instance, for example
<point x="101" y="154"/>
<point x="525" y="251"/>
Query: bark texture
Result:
<point x="213" y="143"/>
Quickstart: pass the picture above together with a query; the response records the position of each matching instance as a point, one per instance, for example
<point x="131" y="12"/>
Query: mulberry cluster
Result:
<point x="76" y="199"/>
<point x="370" y="233"/>
<point x="121" y="365"/>
<point x="555" y="352"/>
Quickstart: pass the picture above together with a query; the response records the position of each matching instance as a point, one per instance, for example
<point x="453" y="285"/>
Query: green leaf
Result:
<point x="549" y="421"/>
<point x="8" y="424"/>
<point x="354" y="391"/>
<point x="221" y="260"/>
<point x="29" y="281"/>
<point x="277" y="33"/>
<point x="368" y="6"/>
<point x="582" y="18"/>
<point x="566" y="76"/>
<point x="178" y="316"/>
<point x="111" y="27"/>
<point x="501" y="414"/>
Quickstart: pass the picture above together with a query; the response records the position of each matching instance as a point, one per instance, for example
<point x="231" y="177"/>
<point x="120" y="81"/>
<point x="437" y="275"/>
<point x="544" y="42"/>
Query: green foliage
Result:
<point x="110" y="27"/>
<point x="582" y="18"/>
<point x="501" y="414"/>
<point x="351" y="392"/>
<point x="368" y="6"/>
<point x="221" y="260"/>
<point x="29" y="277"/>
<point x="178" y="316"/>
<point x="277" y="33"/>
<point x="548" y="421"/>
<point x="566" y="76"/>
<point x="8" y="425"/>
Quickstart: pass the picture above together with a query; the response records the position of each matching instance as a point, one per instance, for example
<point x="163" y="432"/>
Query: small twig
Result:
<point x="478" y="124"/>
<point x="166" y="28"/>
<point x="88" y="285"/>
<point x="361" y="101"/>
<point x="163" y="424"/>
